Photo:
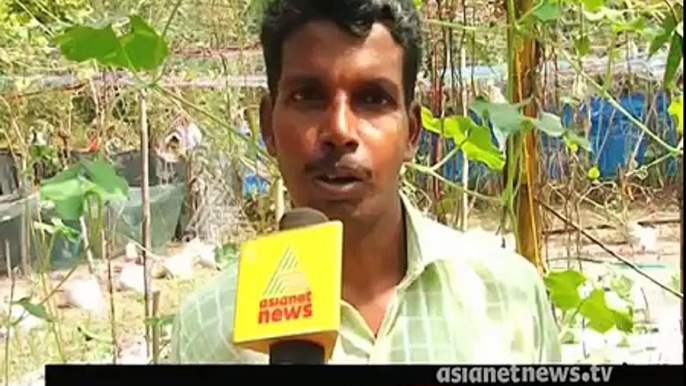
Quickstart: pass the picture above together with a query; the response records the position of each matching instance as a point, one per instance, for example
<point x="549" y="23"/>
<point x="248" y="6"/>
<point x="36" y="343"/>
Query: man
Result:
<point x="340" y="119"/>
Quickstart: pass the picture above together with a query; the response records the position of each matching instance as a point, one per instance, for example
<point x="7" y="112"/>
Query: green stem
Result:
<point x="460" y="188"/>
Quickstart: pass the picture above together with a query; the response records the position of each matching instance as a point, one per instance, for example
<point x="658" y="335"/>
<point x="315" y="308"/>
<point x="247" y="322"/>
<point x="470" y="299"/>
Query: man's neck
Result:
<point x="374" y="256"/>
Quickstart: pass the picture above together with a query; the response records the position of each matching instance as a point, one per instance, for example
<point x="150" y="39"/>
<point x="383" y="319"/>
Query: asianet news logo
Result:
<point x="288" y="295"/>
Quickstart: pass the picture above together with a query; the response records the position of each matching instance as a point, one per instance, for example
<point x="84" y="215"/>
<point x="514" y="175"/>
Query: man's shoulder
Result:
<point x="481" y="251"/>
<point x="500" y="289"/>
<point x="204" y="324"/>
<point x="220" y="292"/>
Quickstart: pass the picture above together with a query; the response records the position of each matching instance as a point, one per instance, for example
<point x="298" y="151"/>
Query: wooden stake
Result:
<point x="145" y="223"/>
<point x="522" y="76"/>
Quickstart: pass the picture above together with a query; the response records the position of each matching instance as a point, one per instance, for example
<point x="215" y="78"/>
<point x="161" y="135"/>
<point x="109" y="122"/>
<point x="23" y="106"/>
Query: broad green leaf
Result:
<point x="664" y="34"/>
<point x="624" y="322"/>
<point x="575" y="141"/>
<point x="582" y="45"/>
<point x="676" y="109"/>
<point x="69" y="208"/>
<point x="140" y="49"/>
<point x="594" y="5"/>
<point x="418" y="3"/>
<point x="37" y="310"/>
<point x="450" y="128"/>
<point x="69" y="189"/>
<point x="83" y="43"/>
<point x="429" y="122"/>
<point x="673" y="60"/>
<point x="550" y="124"/>
<point x="593" y="173"/>
<point x="504" y="116"/>
<point x="60" y="189"/>
<point x="594" y="308"/>
<point x="563" y="287"/>
<point x="104" y="175"/>
<point x="476" y="143"/>
<point x="547" y="10"/>
<point x="145" y="49"/>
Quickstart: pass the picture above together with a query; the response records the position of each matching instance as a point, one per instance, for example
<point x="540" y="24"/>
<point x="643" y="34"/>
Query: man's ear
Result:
<point x="266" y="127"/>
<point x="415" y="129"/>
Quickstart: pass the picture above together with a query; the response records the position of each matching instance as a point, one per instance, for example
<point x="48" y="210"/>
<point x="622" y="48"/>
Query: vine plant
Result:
<point x="570" y="291"/>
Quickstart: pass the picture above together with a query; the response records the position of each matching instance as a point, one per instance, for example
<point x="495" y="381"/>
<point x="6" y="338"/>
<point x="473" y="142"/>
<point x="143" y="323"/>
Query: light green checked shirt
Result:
<point x="460" y="302"/>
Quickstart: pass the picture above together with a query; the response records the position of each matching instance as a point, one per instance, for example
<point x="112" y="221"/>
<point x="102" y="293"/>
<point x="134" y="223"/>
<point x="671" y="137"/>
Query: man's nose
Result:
<point x="339" y="127"/>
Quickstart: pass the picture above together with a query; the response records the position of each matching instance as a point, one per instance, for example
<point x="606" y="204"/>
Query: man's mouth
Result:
<point x="341" y="183"/>
<point x="337" y="179"/>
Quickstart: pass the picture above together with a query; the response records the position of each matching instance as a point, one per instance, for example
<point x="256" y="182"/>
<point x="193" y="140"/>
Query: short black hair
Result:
<point x="283" y="17"/>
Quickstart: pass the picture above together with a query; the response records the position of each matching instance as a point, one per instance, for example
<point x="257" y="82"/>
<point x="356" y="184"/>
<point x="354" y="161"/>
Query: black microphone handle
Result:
<point x="296" y="352"/>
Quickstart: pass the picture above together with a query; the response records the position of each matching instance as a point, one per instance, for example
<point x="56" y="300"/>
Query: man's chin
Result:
<point x="342" y="210"/>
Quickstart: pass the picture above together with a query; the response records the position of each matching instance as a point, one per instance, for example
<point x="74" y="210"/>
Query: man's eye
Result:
<point x="375" y="98"/>
<point x="306" y="95"/>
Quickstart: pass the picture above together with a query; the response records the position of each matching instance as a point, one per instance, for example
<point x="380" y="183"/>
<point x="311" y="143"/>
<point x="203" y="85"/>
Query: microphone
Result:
<point x="289" y="290"/>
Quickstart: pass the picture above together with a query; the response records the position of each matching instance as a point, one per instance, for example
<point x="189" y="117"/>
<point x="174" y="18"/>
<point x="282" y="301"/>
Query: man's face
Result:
<point x="339" y="126"/>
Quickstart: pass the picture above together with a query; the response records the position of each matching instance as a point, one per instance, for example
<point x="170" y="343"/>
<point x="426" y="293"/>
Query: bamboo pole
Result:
<point x="522" y="86"/>
<point x="145" y="223"/>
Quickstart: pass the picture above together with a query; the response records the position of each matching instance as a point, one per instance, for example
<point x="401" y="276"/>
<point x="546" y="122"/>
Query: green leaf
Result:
<point x="623" y="321"/>
<point x="37" y="310"/>
<point x="582" y="45"/>
<point x="676" y="109"/>
<point x="575" y="141"/>
<point x="547" y="10"/>
<point x="593" y="173"/>
<point x="594" y="5"/>
<point x="673" y="60"/>
<point x="104" y="175"/>
<point x="140" y="49"/>
<point x="143" y="46"/>
<point x="66" y="190"/>
<point x="449" y="128"/>
<point x="563" y="287"/>
<point x="475" y="141"/>
<point x="504" y="116"/>
<point x="429" y="122"/>
<point x="83" y="43"/>
<point x="550" y="124"/>
<point x="69" y="189"/>
<point x="418" y="3"/>
<point x="664" y="34"/>
<point x="599" y="316"/>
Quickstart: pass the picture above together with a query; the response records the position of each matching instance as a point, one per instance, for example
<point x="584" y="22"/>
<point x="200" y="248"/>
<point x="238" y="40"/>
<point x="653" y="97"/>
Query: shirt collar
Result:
<point x="418" y="241"/>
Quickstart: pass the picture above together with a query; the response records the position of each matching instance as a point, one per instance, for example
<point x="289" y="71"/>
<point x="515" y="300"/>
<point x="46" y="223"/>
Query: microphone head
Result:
<point x="301" y="217"/>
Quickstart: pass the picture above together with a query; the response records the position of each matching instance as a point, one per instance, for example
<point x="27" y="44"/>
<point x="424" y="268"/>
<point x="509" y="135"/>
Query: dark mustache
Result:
<point x="330" y="162"/>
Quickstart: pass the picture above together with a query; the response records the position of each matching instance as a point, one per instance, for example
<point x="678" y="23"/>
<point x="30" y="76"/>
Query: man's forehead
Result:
<point x="323" y="47"/>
